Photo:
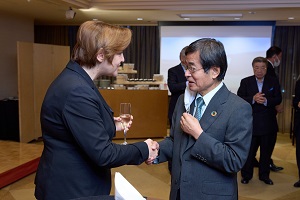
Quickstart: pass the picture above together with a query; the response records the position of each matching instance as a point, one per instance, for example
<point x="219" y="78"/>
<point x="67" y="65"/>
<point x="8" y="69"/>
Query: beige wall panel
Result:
<point x="25" y="90"/>
<point x="60" y="59"/>
<point x="149" y="109"/>
<point x="47" y="61"/>
<point x="43" y="76"/>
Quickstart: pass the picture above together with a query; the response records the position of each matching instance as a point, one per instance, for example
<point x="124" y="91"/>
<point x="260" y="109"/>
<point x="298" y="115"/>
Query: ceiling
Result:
<point x="126" y="12"/>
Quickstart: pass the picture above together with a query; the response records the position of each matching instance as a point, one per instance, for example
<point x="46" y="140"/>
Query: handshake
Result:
<point x="153" y="147"/>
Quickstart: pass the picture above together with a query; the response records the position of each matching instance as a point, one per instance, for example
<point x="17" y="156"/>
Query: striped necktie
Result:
<point x="200" y="103"/>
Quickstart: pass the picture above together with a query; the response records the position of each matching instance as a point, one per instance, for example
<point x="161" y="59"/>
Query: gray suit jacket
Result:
<point x="207" y="168"/>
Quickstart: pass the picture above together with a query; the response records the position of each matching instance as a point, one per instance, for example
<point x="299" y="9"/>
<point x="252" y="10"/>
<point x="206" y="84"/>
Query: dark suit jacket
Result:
<point x="296" y="99"/>
<point x="264" y="117"/>
<point x="270" y="70"/>
<point x="207" y="168"/>
<point x="78" y="127"/>
<point x="177" y="85"/>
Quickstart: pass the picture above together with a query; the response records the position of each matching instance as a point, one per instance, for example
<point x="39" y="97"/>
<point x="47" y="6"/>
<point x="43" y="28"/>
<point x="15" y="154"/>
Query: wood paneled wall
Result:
<point x="149" y="109"/>
<point x="38" y="66"/>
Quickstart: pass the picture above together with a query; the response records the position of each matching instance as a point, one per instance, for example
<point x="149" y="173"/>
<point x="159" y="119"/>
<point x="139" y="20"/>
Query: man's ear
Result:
<point x="100" y="56"/>
<point x="215" y="71"/>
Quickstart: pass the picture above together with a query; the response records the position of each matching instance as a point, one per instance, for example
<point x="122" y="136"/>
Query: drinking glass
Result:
<point x="125" y="115"/>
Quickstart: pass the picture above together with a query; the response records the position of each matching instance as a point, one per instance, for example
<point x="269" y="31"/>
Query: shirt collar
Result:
<point x="183" y="67"/>
<point x="271" y="63"/>
<point x="209" y="96"/>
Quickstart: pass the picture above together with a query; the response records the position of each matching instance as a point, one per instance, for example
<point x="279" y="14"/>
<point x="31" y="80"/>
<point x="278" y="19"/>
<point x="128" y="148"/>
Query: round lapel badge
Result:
<point x="213" y="113"/>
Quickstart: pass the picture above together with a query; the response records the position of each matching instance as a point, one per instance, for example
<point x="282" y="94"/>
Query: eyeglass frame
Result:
<point x="193" y="69"/>
<point x="257" y="68"/>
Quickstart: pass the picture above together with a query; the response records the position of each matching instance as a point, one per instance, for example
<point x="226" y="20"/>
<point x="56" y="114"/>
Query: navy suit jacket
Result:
<point x="207" y="168"/>
<point x="264" y="117"/>
<point x="271" y="70"/>
<point x="176" y="85"/>
<point x="296" y="99"/>
<point x="77" y="128"/>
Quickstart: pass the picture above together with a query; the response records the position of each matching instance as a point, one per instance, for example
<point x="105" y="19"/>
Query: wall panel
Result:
<point x="38" y="66"/>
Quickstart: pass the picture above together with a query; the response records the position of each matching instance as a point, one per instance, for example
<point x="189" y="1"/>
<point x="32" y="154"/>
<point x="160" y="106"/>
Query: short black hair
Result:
<point x="212" y="54"/>
<point x="273" y="50"/>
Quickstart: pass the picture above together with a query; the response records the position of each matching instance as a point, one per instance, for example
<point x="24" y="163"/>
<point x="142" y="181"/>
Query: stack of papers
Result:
<point x="124" y="190"/>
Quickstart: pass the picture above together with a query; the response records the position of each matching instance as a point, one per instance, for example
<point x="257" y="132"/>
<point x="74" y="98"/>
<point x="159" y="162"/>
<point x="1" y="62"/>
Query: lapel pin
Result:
<point x="213" y="113"/>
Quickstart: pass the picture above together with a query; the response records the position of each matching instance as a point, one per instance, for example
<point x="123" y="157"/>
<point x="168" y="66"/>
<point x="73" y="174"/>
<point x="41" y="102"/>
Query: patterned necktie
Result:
<point x="200" y="103"/>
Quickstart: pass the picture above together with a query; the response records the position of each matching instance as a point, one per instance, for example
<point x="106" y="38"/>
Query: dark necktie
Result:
<point x="200" y="103"/>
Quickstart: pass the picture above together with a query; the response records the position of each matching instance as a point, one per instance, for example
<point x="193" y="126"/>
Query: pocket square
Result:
<point x="271" y="89"/>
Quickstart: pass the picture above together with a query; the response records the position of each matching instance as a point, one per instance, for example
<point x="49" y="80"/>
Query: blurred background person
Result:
<point x="274" y="56"/>
<point x="77" y="124"/>
<point x="176" y="82"/>
<point x="296" y="105"/>
<point x="263" y="94"/>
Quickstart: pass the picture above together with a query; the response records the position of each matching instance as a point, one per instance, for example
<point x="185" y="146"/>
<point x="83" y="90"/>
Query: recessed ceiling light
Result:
<point x="211" y="15"/>
<point x="186" y="18"/>
<point x="252" y="12"/>
<point x="291" y="18"/>
<point x="139" y="19"/>
<point x="237" y="18"/>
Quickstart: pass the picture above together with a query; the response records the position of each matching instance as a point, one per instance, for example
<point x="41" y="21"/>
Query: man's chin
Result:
<point x="192" y="87"/>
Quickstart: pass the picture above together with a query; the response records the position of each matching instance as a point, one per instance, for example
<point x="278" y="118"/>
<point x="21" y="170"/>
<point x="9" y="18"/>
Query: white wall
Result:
<point x="242" y="45"/>
<point x="12" y="29"/>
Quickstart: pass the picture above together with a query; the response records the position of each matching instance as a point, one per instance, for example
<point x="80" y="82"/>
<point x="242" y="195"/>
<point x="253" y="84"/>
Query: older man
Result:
<point x="210" y="137"/>
<point x="263" y="94"/>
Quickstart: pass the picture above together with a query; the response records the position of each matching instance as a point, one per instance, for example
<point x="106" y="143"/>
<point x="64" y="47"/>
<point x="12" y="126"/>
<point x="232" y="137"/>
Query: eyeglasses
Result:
<point x="193" y="69"/>
<point x="259" y="68"/>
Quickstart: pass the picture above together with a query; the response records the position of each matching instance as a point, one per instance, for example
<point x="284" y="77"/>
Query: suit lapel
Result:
<point x="266" y="86"/>
<point x="212" y="111"/>
<point x="78" y="69"/>
<point x="253" y="85"/>
<point x="187" y="140"/>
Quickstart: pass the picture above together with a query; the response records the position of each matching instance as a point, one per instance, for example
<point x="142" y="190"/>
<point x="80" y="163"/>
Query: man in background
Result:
<point x="263" y="94"/>
<point x="176" y="82"/>
<point x="274" y="55"/>
<point x="296" y="105"/>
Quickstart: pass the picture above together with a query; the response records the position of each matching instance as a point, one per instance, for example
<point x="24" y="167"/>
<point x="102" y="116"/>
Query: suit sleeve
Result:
<point x="166" y="146"/>
<point x="86" y="120"/>
<point x="273" y="95"/>
<point x="243" y="91"/>
<point x="174" y="85"/>
<point x="296" y="99"/>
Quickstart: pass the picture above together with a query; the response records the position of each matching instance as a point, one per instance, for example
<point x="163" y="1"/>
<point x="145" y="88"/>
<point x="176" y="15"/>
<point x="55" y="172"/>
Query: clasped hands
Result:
<point x="153" y="146"/>
<point x="259" y="98"/>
